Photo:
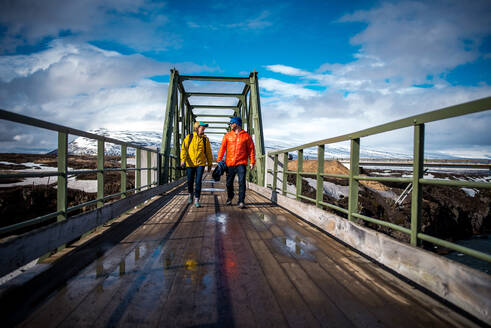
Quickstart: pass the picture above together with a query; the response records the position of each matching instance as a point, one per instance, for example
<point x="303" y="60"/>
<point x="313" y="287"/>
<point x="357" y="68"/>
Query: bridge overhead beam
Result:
<point x="213" y="115"/>
<point x="214" y="106"/>
<point x="213" y="94"/>
<point x="213" y="78"/>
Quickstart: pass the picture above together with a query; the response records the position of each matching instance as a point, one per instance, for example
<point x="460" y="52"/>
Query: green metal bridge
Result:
<point x="144" y="257"/>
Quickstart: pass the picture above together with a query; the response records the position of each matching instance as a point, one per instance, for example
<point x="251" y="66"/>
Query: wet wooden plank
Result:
<point x="379" y="297"/>
<point x="222" y="266"/>
<point x="249" y="285"/>
<point x="69" y="297"/>
<point x="106" y="304"/>
<point x="179" y="308"/>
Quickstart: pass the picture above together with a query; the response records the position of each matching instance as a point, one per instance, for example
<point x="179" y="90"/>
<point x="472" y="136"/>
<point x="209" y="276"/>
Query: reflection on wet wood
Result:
<point x="218" y="265"/>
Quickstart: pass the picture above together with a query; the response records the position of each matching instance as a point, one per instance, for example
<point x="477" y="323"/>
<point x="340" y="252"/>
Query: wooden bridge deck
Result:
<point x="221" y="266"/>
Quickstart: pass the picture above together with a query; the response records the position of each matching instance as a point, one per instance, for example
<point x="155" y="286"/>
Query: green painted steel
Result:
<point x="275" y="171"/>
<point x="249" y="111"/>
<point x="213" y="94"/>
<point x="257" y="127"/>
<point x="138" y="176"/>
<point x="334" y="207"/>
<point x="30" y="222"/>
<point x="124" y="172"/>
<point x="320" y="180"/>
<point x="382" y="223"/>
<point x="62" y="154"/>
<point x="353" y="183"/>
<point x="149" y="170"/>
<point x="455" y="247"/>
<point x="167" y="130"/>
<point x="62" y="172"/>
<point x="456" y="183"/>
<point x="417" y="180"/>
<point x="285" y="174"/>
<point x="417" y="192"/>
<point x="213" y="78"/>
<point x="100" y="173"/>
<point x="299" y="169"/>
<point x="214" y="106"/>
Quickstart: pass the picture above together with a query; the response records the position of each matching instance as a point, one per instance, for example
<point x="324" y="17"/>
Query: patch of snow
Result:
<point x="471" y="192"/>
<point x="84" y="185"/>
<point x="382" y="173"/>
<point x="386" y="193"/>
<point x="330" y="189"/>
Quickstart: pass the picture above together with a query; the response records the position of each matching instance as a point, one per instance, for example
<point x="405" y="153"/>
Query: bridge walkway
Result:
<point x="221" y="266"/>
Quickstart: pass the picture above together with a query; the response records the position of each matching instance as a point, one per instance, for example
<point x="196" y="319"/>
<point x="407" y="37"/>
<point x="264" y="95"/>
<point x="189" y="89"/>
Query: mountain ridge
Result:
<point x="85" y="146"/>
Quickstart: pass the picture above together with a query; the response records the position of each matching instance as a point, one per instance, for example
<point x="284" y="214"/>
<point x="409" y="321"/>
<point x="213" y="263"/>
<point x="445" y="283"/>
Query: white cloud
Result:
<point x="287" y="70"/>
<point x="84" y="87"/>
<point x="29" y="22"/>
<point x="410" y="40"/>
<point x="286" y="89"/>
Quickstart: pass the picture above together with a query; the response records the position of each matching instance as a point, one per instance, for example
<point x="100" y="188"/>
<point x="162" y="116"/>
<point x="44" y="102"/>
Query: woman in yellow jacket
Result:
<point x="195" y="153"/>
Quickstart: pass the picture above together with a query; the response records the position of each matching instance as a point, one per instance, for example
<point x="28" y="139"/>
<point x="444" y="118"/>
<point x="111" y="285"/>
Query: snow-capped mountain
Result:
<point x="84" y="146"/>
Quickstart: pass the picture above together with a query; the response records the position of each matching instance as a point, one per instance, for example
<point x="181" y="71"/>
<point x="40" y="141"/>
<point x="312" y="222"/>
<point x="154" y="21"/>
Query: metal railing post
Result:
<point x="299" y="169"/>
<point x="100" y="173"/>
<point x="138" y="176"/>
<point x="285" y="174"/>
<point x="159" y="167"/>
<point x="320" y="180"/>
<point x="124" y="173"/>
<point x="61" y="199"/>
<point x="417" y="192"/>
<point x="354" y="170"/>
<point x="275" y="172"/>
<point x="149" y="169"/>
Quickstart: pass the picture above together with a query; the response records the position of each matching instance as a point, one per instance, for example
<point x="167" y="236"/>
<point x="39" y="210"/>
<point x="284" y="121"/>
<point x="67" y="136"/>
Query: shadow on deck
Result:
<point x="221" y="266"/>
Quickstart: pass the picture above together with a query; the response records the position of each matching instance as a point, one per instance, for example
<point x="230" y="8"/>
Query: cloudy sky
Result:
<point x="325" y="68"/>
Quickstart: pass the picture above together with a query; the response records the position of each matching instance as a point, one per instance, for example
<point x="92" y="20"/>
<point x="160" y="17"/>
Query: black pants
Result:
<point x="195" y="173"/>
<point x="240" y="170"/>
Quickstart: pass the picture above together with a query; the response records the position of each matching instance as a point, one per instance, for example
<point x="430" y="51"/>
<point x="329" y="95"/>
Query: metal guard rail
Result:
<point x="418" y="122"/>
<point x="63" y="173"/>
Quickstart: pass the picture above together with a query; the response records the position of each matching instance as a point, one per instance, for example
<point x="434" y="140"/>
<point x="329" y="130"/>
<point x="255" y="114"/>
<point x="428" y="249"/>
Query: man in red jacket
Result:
<point x="239" y="147"/>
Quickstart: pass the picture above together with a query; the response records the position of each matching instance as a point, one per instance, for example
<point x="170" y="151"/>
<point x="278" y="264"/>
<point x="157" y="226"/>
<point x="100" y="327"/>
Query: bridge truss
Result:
<point x="181" y="113"/>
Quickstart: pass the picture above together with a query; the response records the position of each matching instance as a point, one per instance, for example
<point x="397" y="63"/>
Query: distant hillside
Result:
<point x="84" y="146"/>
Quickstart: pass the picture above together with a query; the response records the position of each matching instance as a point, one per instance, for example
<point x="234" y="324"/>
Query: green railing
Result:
<point x="417" y="180"/>
<point x="63" y="173"/>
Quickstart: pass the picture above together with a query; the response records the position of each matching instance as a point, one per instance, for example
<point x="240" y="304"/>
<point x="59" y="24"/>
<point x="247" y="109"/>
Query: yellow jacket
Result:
<point x="194" y="154"/>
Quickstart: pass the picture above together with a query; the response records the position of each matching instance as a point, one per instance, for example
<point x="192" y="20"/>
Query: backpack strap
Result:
<point x="191" y="139"/>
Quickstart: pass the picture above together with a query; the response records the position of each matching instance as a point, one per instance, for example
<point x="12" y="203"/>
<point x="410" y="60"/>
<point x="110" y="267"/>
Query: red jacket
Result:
<point x="239" y="148"/>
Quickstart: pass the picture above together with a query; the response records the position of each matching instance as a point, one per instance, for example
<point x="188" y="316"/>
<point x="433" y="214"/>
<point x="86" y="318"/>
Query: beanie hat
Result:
<point x="237" y="120"/>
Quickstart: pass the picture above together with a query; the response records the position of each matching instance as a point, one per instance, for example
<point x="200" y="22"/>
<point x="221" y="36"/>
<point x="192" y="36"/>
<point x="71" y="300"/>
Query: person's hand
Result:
<point x="251" y="166"/>
<point x="183" y="164"/>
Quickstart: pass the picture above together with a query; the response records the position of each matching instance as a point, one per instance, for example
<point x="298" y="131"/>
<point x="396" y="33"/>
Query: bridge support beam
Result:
<point x="417" y="192"/>
<point x="354" y="170"/>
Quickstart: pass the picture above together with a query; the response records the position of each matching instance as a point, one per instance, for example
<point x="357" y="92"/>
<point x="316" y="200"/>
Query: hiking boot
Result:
<point x="196" y="202"/>
<point x="229" y="202"/>
<point x="241" y="205"/>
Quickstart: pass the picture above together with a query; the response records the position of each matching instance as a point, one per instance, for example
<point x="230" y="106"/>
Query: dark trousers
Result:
<point x="240" y="170"/>
<point x="195" y="174"/>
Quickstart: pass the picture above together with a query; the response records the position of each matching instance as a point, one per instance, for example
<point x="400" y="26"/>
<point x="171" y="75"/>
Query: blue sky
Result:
<point x="326" y="67"/>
